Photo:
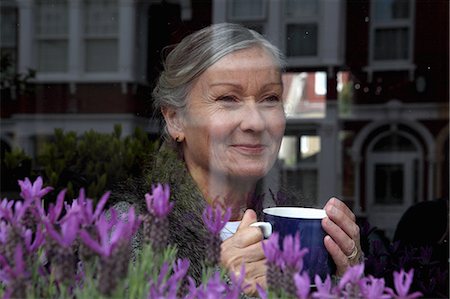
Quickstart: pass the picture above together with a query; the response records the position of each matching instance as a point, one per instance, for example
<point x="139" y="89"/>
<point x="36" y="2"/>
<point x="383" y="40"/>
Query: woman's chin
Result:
<point x="249" y="173"/>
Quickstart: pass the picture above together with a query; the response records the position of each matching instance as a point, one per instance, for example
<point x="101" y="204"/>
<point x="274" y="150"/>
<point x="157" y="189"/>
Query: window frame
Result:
<point x="391" y="64"/>
<point x="76" y="71"/>
<point x="307" y="60"/>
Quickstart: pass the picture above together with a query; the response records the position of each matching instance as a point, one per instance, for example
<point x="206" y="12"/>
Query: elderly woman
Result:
<point x="220" y="94"/>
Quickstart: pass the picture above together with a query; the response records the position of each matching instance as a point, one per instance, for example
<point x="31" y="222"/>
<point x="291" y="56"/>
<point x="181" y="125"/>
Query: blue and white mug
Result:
<point x="308" y="223"/>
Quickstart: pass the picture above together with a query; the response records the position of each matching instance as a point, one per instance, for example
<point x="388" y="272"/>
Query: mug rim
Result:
<point x="296" y="212"/>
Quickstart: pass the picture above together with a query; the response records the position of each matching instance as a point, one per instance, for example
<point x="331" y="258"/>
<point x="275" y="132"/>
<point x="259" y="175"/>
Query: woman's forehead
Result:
<point x="246" y="59"/>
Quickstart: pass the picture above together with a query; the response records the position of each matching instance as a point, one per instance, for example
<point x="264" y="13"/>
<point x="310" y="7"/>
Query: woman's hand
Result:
<point x="342" y="241"/>
<point x="245" y="248"/>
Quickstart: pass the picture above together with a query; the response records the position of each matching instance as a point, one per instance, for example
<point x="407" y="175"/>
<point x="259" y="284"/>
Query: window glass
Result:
<point x="101" y="55"/>
<point x="8" y="27"/>
<point x="391" y="44"/>
<point x="301" y="40"/>
<point x="289" y="150"/>
<point x="389" y="184"/>
<point x="52" y="55"/>
<point x="303" y="182"/>
<point x="309" y="148"/>
<point x="394" y="142"/>
<point x="51" y="35"/>
<point x="303" y="8"/>
<point x="385" y="10"/>
<point x="247" y="9"/>
<point x="8" y="34"/>
<point x="101" y="31"/>
<point x="303" y="95"/>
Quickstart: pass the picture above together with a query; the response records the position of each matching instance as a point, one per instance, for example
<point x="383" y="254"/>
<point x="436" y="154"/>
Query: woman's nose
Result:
<point x="252" y="118"/>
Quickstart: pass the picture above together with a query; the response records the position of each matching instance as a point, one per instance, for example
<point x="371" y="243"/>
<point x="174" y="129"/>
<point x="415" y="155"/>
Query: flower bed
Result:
<point x="73" y="249"/>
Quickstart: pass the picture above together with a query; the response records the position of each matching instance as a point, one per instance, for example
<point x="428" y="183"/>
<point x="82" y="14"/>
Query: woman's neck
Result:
<point x="225" y="191"/>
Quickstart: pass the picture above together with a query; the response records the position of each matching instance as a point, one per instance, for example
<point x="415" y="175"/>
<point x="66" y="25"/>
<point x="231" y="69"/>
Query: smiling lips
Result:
<point x="247" y="149"/>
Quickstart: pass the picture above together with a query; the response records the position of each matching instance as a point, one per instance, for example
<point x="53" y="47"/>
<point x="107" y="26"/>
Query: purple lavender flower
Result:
<point x="13" y="232"/>
<point x="34" y="190"/>
<point x="169" y="288"/>
<point x="123" y="231"/>
<point x="113" y="246"/>
<point x="349" y="284"/>
<point x="5" y="206"/>
<point x="402" y="283"/>
<point x="237" y="286"/>
<point x="14" y="277"/>
<point x="158" y="203"/>
<point x="352" y="275"/>
<point x="292" y="255"/>
<point x="69" y="230"/>
<point x="215" y="222"/>
<point x="272" y="252"/>
<point x="302" y="282"/>
<point x="324" y="289"/>
<point x="156" y="223"/>
<point x="60" y="248"/>
<point x="54" y="211"/>
<point x="271" y="248"/>
<point x="373" y="288"/>
<point x="291" y="262"/>
<point x="32" y="245"/>
<point x="214" y="288"/>
<point x="85" y="208"/>
<point x="14" y="211"/>
<point x="262" y="293"/>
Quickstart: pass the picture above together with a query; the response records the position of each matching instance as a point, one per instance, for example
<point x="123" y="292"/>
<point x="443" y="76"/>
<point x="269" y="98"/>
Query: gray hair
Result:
<point x="196" y="53"/>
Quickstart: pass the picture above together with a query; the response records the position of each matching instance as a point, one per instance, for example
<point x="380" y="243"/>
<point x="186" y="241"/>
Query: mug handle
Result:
<point x="266" y="228"/>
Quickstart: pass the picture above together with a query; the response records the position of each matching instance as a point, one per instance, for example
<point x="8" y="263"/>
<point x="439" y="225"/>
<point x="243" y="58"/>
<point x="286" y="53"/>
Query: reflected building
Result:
<point x="366" y="87"/>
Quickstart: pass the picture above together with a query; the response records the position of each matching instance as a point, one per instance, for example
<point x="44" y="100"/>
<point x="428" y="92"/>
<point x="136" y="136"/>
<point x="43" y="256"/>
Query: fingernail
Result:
<point x="331" y="210"/>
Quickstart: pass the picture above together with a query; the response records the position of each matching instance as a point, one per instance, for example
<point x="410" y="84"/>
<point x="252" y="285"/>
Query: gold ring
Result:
<point x="354" y="252"/>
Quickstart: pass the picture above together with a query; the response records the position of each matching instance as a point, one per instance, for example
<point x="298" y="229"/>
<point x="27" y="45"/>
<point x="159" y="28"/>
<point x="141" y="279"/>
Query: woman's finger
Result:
<point x="340" y="259"/>
<point x="338" y="204"/>
<point x="342" y="219"/>
<point x="339" y="236"/>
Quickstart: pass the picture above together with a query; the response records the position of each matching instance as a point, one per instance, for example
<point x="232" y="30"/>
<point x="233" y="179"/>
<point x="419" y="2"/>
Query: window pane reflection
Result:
<point x="389" y="184"/>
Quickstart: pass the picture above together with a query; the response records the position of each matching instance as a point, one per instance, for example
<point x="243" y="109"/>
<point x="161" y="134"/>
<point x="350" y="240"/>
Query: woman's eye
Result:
<point x="273" y="99"/>
<point x="227" y="99"/>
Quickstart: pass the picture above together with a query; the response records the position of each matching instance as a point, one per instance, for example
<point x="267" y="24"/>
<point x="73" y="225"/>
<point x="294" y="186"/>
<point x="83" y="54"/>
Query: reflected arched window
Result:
<point x="394" y="143"/>
<point x="394" y="177"/>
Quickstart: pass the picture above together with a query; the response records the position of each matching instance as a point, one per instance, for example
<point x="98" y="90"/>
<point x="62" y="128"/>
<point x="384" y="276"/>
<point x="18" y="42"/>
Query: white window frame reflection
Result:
<point x="394" y="24"/>
<point x="313" y="19"/>
<point x="77" y="37"/>
<point x="385" y="215"/>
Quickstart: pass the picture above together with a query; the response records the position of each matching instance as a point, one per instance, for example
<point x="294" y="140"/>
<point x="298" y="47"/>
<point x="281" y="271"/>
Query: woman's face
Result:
<point x="234" y="119"/>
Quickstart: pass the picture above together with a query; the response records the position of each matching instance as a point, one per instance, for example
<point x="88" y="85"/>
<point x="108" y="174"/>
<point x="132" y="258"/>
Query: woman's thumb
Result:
<point x="248" y="218"/>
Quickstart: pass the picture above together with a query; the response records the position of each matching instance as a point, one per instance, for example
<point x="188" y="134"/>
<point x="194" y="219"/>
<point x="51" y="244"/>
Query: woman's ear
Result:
<point x="174" y="123"/>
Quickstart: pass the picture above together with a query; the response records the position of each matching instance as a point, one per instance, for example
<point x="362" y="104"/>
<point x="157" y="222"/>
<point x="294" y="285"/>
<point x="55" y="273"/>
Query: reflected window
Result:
<point x="394" y="142"/>
<point x="301" y="40"/>
<point x="391" y="30"/>
<point x="8" y="33"/>
<point x="304" y="94"/>
<point x="389" y="184"/>
<point x="90" y="41"/>
<point x="101" y="36"/>
<point x="247" y="9"/>
<point x="52" y="30"/>
<point x="302" y="28"/>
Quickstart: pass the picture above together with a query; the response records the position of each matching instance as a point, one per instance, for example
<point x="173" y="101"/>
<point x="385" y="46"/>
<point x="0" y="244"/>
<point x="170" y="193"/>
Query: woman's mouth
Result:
<point x="249" y="149"/>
